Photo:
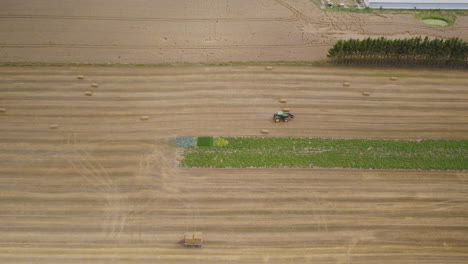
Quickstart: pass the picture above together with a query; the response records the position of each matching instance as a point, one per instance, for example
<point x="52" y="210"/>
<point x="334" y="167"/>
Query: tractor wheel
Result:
<point x="277" y="120"/>
<point x="286" y="120"/>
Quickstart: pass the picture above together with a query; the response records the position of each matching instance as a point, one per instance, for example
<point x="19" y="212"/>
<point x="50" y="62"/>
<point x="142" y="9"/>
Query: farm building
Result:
<point x="417" y="4"/>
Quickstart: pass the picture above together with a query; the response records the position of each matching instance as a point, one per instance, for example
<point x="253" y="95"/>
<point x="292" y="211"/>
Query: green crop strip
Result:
<point x="205" y="141"/>
<point x="344" y="153"/>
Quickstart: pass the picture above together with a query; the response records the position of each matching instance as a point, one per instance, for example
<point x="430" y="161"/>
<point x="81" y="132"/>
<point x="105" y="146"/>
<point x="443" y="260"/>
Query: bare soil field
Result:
<point x="161" y="31"/>
<point x="84" y="179"/>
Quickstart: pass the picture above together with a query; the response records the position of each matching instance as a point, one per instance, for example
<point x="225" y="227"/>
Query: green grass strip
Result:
<point x="344" y="153"/>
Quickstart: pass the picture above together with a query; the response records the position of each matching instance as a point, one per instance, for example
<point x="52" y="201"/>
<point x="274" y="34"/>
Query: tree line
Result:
<point x="395" y="50"/>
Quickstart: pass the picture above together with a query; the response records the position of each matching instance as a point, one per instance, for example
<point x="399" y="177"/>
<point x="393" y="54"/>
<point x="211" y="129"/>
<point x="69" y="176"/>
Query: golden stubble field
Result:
<point x="84" y="180"/>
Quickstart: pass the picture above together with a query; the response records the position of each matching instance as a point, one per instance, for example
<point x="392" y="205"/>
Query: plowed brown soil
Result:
<point x="157" y="31"/>
<point x="103" y="186"/>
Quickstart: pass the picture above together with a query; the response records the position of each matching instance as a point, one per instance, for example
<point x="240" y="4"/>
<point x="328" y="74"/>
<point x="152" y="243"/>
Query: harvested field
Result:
<point x="159" y="31"/>
<point x="103" y="187"/>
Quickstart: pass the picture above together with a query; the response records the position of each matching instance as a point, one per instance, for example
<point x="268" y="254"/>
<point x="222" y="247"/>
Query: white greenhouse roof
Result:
<point x="418" y="4"/>
<point x="421" y="1"/>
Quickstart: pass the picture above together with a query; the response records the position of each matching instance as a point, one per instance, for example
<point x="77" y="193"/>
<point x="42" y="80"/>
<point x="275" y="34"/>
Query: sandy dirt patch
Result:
<point x="161" y="31"/>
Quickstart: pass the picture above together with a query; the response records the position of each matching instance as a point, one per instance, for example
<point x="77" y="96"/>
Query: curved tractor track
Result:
<point x="84" y="179"/>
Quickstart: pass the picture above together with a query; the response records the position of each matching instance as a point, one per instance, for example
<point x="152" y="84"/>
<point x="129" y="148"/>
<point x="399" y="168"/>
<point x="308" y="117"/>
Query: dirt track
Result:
<point x="103" y="188"/>
<point x="157" y="31"/>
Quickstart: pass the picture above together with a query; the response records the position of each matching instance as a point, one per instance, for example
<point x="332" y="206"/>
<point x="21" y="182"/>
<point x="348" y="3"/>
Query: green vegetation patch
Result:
<point x="235" y="152"/>
<point x="435" y="22"/>
<point x="205" y="141"/>
<point x="221" y="142"/>
<point x="442" y="16"/>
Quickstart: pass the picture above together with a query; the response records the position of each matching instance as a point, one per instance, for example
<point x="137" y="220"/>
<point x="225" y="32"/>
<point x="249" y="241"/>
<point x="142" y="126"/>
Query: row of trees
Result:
<point x="435" y="50"/>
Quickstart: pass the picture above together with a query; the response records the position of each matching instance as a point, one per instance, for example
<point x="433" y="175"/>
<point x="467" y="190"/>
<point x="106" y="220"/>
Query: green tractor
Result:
<point x="281" y="116"/>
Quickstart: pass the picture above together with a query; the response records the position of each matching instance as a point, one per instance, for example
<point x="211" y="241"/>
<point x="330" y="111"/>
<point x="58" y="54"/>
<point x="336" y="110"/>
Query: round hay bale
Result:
<point x="54" y="126"/>
<point x="286" y="110"/>
<point x="346" y="84"/>
<point x="81" y="77"/>
<point x="88" y="93"/>
<point x="393" y="78"/>
<point x="269" y="68"/>
<point x="95" y="85"/>
<point x="264" y="131"/>
<point x="283" y="101"/>
<point x="144" y="117"/>
<point x="2" y="110"/>
<point x="365" y="93"/>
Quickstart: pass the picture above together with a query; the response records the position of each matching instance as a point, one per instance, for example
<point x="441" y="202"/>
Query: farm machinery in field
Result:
<point x="192" y="239"/>
<point x="282" y="116"/>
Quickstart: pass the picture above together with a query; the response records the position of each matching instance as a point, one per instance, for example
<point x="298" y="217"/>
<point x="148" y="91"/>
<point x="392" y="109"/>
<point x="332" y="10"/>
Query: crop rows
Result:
<point x="346" y="153"/>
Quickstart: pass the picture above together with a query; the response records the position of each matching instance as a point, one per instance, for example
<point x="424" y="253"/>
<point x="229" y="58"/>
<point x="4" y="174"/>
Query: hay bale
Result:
<point x="95" y="85"/>
<point x="188" y="237"/>
<point x="264" y="131"/>
<point x="346" y="84"/>
<point x="54" y="126"/>
<point x="81" y="77"/>
<point x="365" y="93"/>
<point x="269" y="68"/>
<point x="144" y="117"/>
<point x="286" y="110"/>
<point x="393" y="78"/>
<point x="198" y="237"/>
<point x="193" y="237"/>
<point x="283" y="101"/>
<point x="2" y="110"/>
<point x="88" y="93"/>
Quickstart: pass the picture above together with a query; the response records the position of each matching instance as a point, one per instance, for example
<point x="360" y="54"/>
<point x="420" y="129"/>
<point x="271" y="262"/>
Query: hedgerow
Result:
<point x="397" y="51"/>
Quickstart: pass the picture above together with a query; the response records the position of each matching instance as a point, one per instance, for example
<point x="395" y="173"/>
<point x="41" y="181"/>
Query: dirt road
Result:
<point x="102" y="186"/>
<point x="160" y="31"/>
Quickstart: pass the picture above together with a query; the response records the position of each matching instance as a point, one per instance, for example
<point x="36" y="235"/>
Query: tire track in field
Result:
<point x="172" y="47"/>
<point x="152" y="19"/>
<point x="100" y="181"/>
<point x="169" y="100"/>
